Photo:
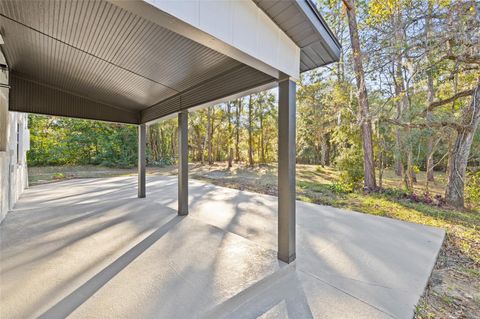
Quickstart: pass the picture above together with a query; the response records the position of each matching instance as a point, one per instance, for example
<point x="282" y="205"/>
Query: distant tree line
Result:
<point x="237" y="131"/>
<point x="67" y="141"/>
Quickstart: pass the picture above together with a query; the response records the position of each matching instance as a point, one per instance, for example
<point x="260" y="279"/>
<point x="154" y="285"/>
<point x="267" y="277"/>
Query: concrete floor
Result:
<point x="90" y="249"/>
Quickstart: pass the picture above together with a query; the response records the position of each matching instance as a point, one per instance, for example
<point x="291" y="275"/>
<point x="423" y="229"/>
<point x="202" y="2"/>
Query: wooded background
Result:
<point x="404" y="95"/>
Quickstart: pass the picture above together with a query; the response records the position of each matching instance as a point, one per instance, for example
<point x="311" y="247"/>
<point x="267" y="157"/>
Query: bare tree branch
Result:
<point x="453" y="98"/>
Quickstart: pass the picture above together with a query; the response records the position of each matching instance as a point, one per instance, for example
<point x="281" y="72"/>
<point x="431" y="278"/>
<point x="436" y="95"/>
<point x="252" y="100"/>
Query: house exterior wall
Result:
<point x="13" y="155"/>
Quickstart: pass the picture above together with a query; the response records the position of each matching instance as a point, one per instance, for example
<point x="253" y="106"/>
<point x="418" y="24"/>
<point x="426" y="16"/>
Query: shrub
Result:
<point x="350" y="163"/>
<point x="340" y="187"/>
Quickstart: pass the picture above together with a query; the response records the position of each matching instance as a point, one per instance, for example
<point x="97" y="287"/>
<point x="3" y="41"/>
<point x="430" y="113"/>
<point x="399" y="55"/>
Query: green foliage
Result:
<point x="472" y="188"/>
<point x="341" y="187"/>
<point x="66" y="141"/>
<point x="350" y="163"/>
<point x="416" y="169"/>
<point x="161" y="143"/>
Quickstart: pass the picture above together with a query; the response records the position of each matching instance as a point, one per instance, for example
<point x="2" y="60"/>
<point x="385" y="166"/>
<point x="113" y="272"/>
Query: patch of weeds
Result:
<point x="58" y="176"/>
<point x="470" y="272"/>
<point x="341" y="187"/>
<point x="312" y="186"/>
<point x="445" y="299"/>
<point x="422" y="311"/>
<point x="305" y="198"/>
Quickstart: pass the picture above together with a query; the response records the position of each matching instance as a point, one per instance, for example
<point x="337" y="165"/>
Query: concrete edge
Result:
<point x="432" y="267"/>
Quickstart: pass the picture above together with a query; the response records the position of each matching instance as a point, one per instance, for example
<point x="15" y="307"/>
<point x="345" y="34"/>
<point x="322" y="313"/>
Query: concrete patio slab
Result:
<point x="91" y="249"/>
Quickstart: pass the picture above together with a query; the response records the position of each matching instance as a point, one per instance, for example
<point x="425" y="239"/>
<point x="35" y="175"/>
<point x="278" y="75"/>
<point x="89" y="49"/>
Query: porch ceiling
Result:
<point x="92" y="59"/>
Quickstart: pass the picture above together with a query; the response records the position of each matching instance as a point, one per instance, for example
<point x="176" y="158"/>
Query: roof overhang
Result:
<point x="135" y="62"/>
<point x="302" y="22"/>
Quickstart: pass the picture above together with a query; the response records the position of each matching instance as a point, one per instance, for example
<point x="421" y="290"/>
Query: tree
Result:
<point x="210" y="123"/>
<point x="364" y="114"/>
<point x="430" y="92"/>
<point x="230" y="135"/>
<point x="238" y="112"/>
<point x="454" y="193"/>
<point x="250" y="131"/>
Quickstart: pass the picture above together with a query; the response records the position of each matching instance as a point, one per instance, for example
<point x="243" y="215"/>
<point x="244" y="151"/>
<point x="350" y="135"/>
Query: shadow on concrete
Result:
<point x="282" y="289"/>
<point x="71" y="302"/>
<point x="376" y="263"/>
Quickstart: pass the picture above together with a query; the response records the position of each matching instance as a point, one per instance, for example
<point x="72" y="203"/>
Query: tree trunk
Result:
<point x="204" y="145"/>
<point x="380" y="169"/>
<point x="237" y="130"/>
<point x="430" y="95"/>
<point x="381" y="154"/>
<point x="262" y="140"/>
<point x="365" y="121"/>
<point x="403" y="144"/>
<point x="230" y="133"/>
<point x="430" y="176"/>
<point x="454" y="193"/>
<point x="250" y="131"/>
<point x="210" y="135"/>
<point x="163" y="146"/>
<point x="325" y="150"/>
<point x="398" y="151"/>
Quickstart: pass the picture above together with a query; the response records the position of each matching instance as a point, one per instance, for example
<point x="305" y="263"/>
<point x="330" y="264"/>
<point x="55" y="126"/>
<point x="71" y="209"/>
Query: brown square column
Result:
<point x="183" y="163"/>
<point x="286" y="170"/>
<point x="142" y="160"/>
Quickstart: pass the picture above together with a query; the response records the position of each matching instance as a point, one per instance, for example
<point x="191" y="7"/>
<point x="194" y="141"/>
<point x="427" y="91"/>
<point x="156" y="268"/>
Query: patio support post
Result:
<point x="286" y="169"/>
<point x="142" y="160"/>
<point x="183" y="163"/>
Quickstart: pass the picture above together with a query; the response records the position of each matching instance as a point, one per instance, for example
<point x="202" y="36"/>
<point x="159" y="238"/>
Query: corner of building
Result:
<point x="14" y="144"/>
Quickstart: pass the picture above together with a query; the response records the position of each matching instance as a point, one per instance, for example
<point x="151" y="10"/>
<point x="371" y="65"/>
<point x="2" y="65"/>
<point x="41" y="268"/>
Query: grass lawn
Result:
<point x="454" y="288"/>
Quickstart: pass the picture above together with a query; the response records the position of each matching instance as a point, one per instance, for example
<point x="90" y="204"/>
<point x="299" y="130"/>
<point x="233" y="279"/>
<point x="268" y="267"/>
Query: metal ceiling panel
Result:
<point x="63" y="66"/>
<point x="92" y="58"/>
<point x="112" y="34"/>
<point x="32" y="97"/>
<point x="103" y="53"/>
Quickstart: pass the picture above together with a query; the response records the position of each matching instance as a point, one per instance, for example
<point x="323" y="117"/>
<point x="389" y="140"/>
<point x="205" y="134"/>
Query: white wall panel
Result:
<point x="267" y="41"/>
<point x="240" y="24"/>
<point x="187" y="9"/>
<point x="216" y="19"/>
<point x="285" y="56"/>
<point x="246" y="24"/>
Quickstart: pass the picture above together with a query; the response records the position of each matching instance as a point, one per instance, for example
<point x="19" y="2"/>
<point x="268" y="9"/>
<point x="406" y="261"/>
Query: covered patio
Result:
<point x="90" y="248"/>
<point x="125" y="247"/>
<point x="140" y="61"/>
